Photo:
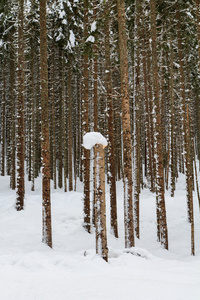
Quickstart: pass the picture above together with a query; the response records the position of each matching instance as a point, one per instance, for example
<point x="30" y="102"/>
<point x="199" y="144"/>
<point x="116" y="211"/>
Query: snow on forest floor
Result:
<point x="72" y="271"/>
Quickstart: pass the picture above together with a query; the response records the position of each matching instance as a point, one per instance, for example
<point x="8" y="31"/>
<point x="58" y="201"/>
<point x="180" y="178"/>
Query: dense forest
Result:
<point x="128" y="69"/>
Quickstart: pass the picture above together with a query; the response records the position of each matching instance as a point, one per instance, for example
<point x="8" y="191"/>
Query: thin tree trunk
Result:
<point x="95" y="100"/>
<point x="137" y="118"/>
<point x="70" y="129"/>
<point x="189" y="181"/>
<point x="86" y="160"/>
<point x="20" y="110"/>
<point x="183" y="112"/>
<point x="32" y="118"/>
<point x="13" y="114"/>
<point x="60" y="109"/>
<point x="173" y="173"/>
<point x="46" y="203"/>
<point x="111" y="154"/>
<point x="54" y="115"/>
<point x="3" y="138"/>
<point x="161" y="218"/>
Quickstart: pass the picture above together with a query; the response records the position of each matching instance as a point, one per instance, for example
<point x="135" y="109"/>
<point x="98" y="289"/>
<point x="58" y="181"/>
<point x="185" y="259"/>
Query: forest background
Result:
<point x="126" y="69"/>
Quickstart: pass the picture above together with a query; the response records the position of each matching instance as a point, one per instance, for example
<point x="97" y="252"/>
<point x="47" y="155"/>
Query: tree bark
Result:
<point x="126" y="126"/>
<point x="111" y="151"/>
<point x="86" y="159"/>
<point x="101" y="235"/>
<point x="20" y="110"/>
<point x="161" y="211"/>
<point x="46" y="203"/>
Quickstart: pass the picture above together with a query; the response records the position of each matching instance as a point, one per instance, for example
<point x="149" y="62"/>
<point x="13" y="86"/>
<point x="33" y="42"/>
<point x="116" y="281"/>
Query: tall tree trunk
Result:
<point x="95" y="101"/>
<point x="173" y="167"/>
<point x="111" y="151"/>
<point x="32" y="117"/>
<point x="65" y="134"/>
<point x="126" y="125"/>
<point x="60" y="121"/>
<point x="54" y="115"/>
<point x="20" y="110"/>
<point x="13" y="114"/>
<point x="137" y="116"/>
<point x="86" y="160"/>
<point x="149" y="158"/>
<point x="70" y="128"/>
<point x="3" y="137"/>
<point x="183" y="112"/>
<point x="46" y="203"/>
<point x="161" y="217"/>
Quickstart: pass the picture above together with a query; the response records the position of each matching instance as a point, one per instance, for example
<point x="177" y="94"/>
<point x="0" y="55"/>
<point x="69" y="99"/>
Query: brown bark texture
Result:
<point x="111" y="152"/>
<point x="46" y="198"/>
<point x="126" y="126"/>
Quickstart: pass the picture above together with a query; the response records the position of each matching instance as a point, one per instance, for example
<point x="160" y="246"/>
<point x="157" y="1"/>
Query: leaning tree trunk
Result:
<point x="46" y="203"/>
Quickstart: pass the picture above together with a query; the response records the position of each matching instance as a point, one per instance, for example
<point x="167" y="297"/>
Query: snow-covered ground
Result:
<point x="72" y="271"/>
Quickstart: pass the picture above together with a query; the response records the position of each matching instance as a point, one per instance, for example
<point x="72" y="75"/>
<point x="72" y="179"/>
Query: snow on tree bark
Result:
<point x="20" y="110"/>
<point x="160" y="187"/>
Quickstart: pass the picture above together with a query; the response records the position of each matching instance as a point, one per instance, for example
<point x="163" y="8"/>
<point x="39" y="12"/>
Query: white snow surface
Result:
<point x="72" y="270"/>
<point x="90" y="139"/>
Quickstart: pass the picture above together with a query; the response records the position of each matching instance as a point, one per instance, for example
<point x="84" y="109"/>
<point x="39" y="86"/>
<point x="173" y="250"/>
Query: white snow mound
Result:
<point x="90" y="139"/>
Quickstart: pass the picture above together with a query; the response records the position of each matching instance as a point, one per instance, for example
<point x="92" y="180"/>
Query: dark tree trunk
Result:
<point x="46" y="203"/>
<point x="86" y="160"/>
<point x="20" y="110"/>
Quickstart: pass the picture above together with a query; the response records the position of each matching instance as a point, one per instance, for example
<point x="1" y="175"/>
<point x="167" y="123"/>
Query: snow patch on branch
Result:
<point x="90" y="39"/>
